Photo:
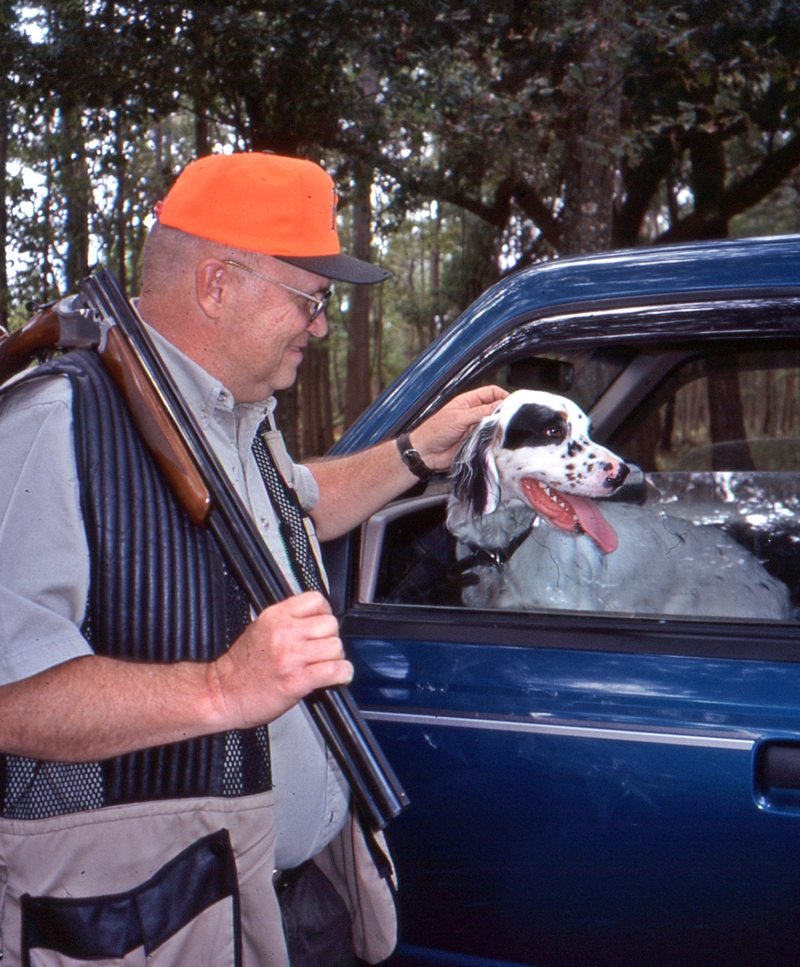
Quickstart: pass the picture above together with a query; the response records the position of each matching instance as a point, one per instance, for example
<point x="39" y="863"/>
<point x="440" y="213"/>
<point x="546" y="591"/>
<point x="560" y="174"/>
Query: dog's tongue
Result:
<point x="595" y="525"/>
<point x="562" y="511"/>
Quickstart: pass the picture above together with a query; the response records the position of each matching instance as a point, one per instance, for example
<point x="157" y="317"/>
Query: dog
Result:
<point x="531" y="537"/>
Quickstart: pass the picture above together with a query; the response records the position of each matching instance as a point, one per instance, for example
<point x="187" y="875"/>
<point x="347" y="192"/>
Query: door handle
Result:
<point x="778" y="765"/>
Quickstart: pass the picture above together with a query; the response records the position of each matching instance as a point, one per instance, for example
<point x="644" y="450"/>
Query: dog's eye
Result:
<point x="553" y="432"/>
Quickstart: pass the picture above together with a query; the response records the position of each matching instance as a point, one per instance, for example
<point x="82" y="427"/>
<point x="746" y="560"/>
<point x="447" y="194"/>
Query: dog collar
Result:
<point x="412" y="459"/>
<point x="497" y="558"/>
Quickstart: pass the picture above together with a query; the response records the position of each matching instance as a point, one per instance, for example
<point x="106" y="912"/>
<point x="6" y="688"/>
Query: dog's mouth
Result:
<point x="579" y="515"/>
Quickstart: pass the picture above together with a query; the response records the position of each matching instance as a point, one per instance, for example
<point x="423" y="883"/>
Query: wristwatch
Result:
<point x="412" y="459"/>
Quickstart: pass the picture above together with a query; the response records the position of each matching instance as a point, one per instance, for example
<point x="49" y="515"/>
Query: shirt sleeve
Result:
<point x="44" y="557"/>
<point x="305" y="486"/>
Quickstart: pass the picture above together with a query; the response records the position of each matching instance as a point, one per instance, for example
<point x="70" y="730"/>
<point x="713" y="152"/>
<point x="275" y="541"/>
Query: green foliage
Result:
<point x="490" y="127"/>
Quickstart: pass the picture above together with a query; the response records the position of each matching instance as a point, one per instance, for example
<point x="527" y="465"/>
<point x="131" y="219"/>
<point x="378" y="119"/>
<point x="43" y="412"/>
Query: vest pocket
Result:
<point x="151" y="916"/>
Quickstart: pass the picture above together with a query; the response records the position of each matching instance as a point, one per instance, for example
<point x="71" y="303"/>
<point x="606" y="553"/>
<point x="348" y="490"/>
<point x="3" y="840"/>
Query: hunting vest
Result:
<point x="160" y="591"/>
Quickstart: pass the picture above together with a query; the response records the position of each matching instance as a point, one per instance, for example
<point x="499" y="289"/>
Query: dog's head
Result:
<point x="535" y="450"/>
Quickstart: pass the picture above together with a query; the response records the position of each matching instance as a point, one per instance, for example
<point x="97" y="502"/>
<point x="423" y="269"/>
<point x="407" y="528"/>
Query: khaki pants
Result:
<point x="131" y="875"/>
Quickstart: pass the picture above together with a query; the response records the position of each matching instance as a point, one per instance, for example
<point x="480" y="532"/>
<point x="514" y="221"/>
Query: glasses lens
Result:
<point x="317" y="308"/>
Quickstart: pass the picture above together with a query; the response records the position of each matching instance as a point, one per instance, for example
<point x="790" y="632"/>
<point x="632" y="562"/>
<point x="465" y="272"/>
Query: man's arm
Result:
<point x="93" y="707"/>
<point x="354" y="487"/>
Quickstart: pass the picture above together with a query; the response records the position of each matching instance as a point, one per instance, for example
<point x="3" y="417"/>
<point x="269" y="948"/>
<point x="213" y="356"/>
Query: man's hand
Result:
<point x="355" y="486"/>
<point x="291" y="649"/>
<point x="437" y="439"/>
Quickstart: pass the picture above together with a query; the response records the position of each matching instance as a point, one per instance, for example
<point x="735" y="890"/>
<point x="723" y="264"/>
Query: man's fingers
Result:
<point x="439" y="437"/>
<point x="305" y="604"/>
<point x="313" y="627"/>
<point x="294" y="619"/>
<point x="324" y="674"/>
<point x="483" y="395"/>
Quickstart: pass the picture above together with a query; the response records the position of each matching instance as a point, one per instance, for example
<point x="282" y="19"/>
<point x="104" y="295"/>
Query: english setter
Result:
<point x="531" y="536"/>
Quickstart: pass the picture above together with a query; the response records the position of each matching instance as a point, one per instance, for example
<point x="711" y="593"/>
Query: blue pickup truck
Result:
<point x="592" y="787"/>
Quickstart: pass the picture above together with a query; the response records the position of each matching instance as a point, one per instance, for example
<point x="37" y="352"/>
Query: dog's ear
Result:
<point x="474" y="479"/>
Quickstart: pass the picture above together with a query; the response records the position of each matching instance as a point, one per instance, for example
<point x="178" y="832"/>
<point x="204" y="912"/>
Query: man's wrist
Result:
<point x="412" y="459"/>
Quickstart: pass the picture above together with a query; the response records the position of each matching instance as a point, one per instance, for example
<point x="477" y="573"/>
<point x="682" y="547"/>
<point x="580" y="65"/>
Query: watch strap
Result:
<point x="412" y="459"/>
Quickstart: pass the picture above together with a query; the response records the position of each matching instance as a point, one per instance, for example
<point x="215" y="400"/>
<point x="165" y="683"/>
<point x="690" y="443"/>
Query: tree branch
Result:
<point x="641" y="185"/>
<point x="739" y="197"/>
<point x="539" y="213"/>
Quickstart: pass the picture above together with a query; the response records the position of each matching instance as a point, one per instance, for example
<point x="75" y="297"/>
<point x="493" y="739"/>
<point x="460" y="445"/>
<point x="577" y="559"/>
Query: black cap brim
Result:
<point x="341" y="268"/>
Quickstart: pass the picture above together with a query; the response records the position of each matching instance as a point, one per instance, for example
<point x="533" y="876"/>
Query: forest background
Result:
<point x="468" y="139"/>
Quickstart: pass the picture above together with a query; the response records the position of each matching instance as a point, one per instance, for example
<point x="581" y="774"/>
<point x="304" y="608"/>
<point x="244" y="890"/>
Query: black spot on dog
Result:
<point x="574" y="447"/>
<point x="534" y="425"/>
<point x="469" y="477"/>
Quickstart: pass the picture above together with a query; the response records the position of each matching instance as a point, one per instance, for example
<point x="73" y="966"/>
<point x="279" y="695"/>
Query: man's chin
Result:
<point x="286" y="379"/>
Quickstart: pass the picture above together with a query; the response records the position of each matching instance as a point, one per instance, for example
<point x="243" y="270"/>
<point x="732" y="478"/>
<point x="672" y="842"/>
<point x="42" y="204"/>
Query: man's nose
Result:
<point x="319" y="326"/>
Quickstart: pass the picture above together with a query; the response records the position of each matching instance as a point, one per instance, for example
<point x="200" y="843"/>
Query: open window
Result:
<point x="717" y="438"/>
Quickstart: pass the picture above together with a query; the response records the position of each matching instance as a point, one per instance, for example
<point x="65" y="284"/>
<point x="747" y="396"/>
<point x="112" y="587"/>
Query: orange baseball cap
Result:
<point x="259" y="202"/>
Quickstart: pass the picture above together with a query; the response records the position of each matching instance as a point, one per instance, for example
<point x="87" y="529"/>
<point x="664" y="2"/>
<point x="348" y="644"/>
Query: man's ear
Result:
<point x="210" y="284"/>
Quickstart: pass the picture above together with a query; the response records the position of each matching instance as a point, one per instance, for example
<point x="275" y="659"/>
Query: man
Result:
<point x="145" y="805"/>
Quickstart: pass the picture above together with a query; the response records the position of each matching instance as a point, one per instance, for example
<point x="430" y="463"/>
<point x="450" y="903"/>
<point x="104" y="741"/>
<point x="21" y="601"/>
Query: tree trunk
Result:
<point x="435" y="324"/>
<point x="709" y="168"/>
<point x="202" y="134"/>
<point x="315" y="391"/>
<point x="727" y="419"/>
<point x="378" y="344"/>
<point x="286" y="418"/>
<point x="76" y="190"/>
<point x="358" y="368"/>
<point x="120" y="223"/>
<point x="641" y="184"/>
<point x="48" y="249"/>
<point x="593" y="130"/>
<point x="4" y="295"/>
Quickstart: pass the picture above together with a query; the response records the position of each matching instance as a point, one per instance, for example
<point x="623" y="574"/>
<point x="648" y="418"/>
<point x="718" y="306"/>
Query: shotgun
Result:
<point x="100" y="317"/>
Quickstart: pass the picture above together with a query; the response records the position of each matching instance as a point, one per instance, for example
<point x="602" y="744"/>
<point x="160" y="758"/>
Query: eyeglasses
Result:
<point x="317" y="307"/>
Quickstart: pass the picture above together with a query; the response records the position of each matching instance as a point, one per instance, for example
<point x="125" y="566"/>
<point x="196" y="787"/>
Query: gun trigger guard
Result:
<point x="104" y="326"/>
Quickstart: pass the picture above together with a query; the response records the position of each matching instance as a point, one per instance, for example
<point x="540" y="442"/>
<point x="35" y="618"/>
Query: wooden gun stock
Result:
<point x="158" y="431"/>
<point x="58" y="326"/>
<point x="39" y="336"/>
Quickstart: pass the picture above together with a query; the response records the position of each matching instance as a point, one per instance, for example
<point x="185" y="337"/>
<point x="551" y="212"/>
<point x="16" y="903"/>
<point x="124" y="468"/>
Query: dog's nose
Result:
<point x="617" y="481"/>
